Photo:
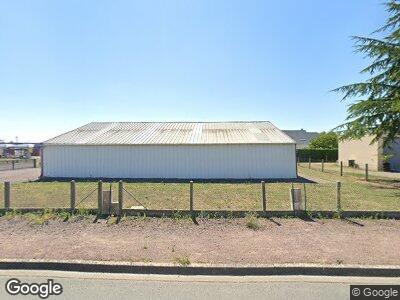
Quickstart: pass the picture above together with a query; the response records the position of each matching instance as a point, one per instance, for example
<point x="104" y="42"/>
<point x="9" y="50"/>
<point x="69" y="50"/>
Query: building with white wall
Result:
<point x="171" y="150"/>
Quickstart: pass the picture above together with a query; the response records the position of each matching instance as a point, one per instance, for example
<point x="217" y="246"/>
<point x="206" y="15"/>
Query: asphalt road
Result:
<point x="129" y="286"/>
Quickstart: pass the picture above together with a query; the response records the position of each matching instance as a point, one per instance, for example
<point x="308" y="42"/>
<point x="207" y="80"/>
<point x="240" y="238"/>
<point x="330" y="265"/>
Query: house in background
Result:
<point x="301" y="137"/>
<point x="357" y="153"/>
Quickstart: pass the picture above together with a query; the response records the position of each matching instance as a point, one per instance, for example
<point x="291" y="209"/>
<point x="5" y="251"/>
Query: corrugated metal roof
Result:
<point x="150" y="133"/>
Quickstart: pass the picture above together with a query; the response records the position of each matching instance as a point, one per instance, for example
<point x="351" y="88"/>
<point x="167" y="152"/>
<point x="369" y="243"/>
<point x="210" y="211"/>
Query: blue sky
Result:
<point x="67" y="63"/>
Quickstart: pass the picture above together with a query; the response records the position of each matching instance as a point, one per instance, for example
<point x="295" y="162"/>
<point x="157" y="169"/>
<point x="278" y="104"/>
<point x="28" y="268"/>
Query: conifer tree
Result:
<point x="376" y="111"/>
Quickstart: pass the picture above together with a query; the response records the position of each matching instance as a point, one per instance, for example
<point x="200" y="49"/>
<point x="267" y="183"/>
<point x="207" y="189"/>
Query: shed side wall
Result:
<point x="170" y="161"/>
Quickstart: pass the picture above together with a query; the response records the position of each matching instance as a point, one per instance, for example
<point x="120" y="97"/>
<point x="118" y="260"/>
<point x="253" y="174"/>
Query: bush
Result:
<point x="183" y="261"/>
<point x="328" y="155"/>
<point x="252" y="222"/>
<point x="325" y="140"/>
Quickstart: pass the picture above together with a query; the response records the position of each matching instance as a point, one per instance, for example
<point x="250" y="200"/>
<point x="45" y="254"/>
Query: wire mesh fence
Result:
<point x="15" y="164"/>
<point x="329" y="170"/>
<point x="320" y="196"/>
<point x="86" y="195"/>
<point x="40" y="195"/>
<point x="354" y="196"/>
<point x="380" y="192"/>
<point x="278" y="195"/>
<point x="227" y="196"/>
<point x="157" y="195"/>
<point x="362" y="196"/>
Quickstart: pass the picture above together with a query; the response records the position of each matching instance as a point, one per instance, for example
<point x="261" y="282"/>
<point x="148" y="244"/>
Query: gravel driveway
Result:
<point x="20" y="175"/>
<point x="227" y="241"/>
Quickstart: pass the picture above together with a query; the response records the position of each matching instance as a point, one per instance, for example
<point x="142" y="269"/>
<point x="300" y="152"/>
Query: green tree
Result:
<point x="376" y="112"/>
<point x="325" y="140"/>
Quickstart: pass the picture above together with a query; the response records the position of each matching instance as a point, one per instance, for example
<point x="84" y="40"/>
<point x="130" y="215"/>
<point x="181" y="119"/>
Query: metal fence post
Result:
<point x="7" y="195"/>
<point x="322" y="165"/>
<point x="305" y="196"/>
<point x="73" y="196"/>
<point x="13" y="164"/>
<point x="100" y="197"/>
<point x="338" y="188"/>
<point x="264" y="196"/>
<point x="120" y="197"/>
<point x="309" y="162"/>
<point x="341" y="168"/>
<point x="191" y="195"/>
<point x="366" y="172"/>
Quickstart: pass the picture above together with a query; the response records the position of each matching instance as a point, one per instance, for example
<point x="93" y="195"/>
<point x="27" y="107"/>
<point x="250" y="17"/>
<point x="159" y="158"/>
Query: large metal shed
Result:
<point x="171" y="150"/>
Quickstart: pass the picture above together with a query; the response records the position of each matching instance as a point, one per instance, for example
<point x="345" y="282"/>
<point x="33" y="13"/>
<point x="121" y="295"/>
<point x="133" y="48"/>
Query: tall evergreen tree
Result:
<point x="377" y="110"/>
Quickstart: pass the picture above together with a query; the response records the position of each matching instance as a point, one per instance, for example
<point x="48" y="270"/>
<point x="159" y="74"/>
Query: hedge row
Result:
<point x="329" y="155"/>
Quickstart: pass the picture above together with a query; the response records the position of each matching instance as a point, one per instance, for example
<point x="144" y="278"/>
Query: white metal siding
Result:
<point x="170" y="161"/>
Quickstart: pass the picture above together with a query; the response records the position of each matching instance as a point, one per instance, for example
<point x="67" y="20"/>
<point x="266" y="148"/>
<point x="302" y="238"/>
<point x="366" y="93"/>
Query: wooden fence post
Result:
<point x="366" y="172"/>
<point x="305" y="196"/>
<point x="191" y="195"/>
<point x="264" y="196"/>
<point x="73" y="196"/>
<point x="309" y="162"/>
<point x="292" y="198"/>
<point x="322" y="165"/>
<point x="295" y="195"/>
<point x="338" y="187"/>
<point x="120" y="197"/>
<point x="13" y="164"/>
<point x="341" y="168"/>
<point x="35" y="163"/>
<point x="7" y="195"/>
<point x="100" y="197"/>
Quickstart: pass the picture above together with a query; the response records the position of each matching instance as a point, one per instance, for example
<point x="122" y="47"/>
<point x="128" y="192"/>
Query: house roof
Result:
<point x="150" y="133"/>
<point x="302" y="137"/>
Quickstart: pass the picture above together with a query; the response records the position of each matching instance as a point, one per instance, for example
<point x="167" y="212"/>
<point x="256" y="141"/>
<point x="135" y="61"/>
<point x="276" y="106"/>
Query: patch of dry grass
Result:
<point x="52" y="194"/>
<point x="183" y="261"/>
<point x="252" y="222"/>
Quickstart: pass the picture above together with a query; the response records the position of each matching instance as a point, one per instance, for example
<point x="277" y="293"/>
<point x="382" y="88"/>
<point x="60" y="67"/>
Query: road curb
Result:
<point x="203" y="269"/>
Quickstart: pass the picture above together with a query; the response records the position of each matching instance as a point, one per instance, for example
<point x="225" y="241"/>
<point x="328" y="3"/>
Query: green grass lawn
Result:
<point x="208" y="196"/>
<point x="52" y="194"/>
<point x="332" y="173"/>
<point x="379" y="194"/>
